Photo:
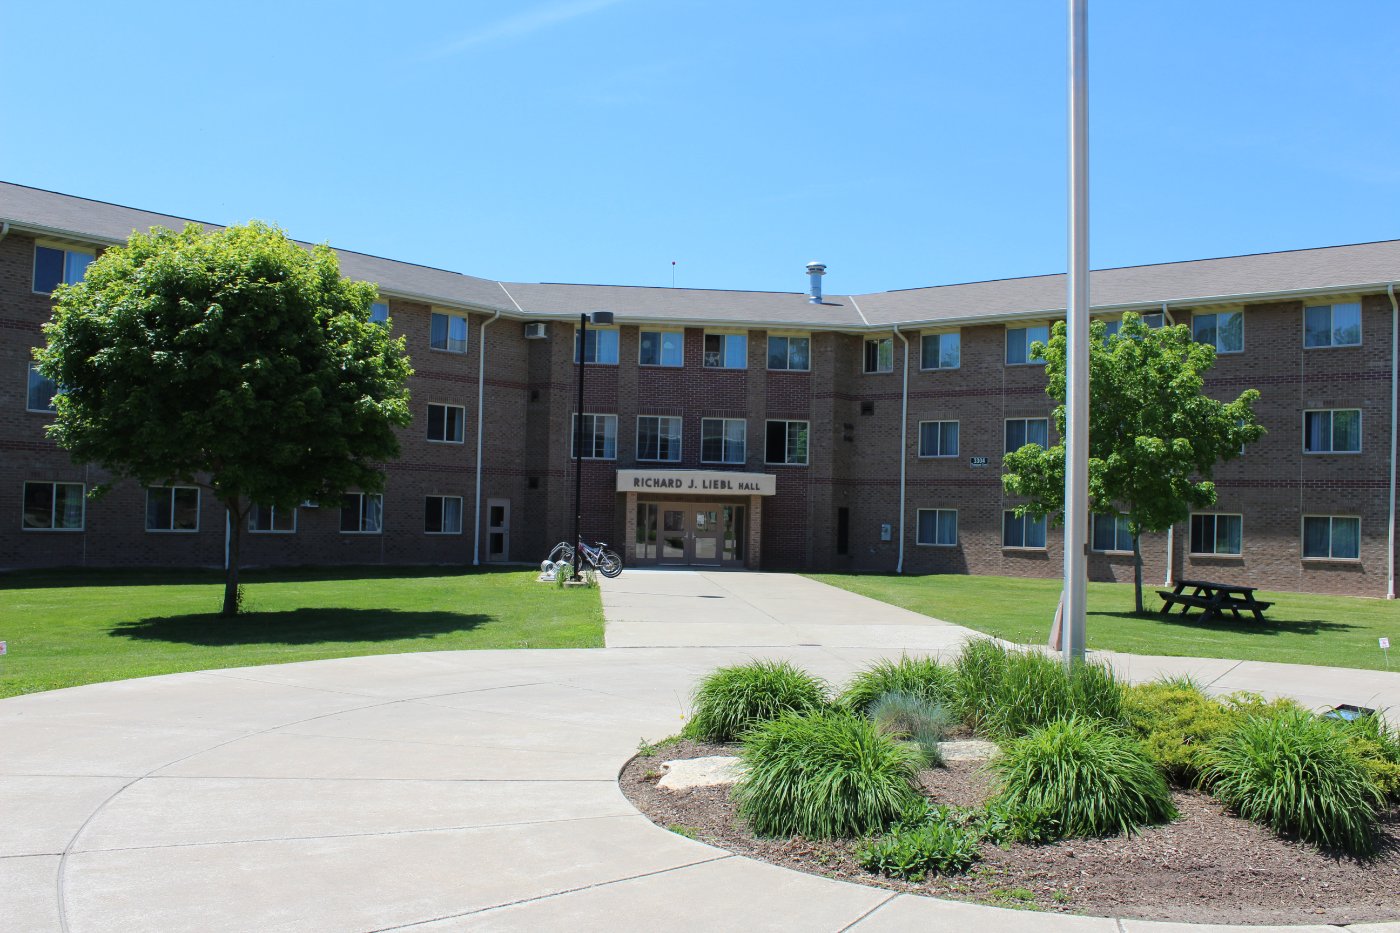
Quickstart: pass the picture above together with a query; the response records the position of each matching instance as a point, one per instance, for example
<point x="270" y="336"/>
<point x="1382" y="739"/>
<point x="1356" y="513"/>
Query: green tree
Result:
<point x="1154" y="438"/>
<point x="233" y="360"/>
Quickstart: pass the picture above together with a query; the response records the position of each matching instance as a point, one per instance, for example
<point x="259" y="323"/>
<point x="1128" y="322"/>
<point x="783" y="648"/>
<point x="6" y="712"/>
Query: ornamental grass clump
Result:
<point x="824" y="775"/>
<point x="1033" y="689"/>
<point x="1176" y="723"/>
<point x="977" y="675"/>
<point x="920" y="677"/>
<point x="914" y="719"/>
<point x="1086" y="777"/>
<point x="732" y="700"/>
<point x="1298" y="775"/>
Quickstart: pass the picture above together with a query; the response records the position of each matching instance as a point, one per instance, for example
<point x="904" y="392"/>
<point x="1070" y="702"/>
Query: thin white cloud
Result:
<point x="523" y="24"/>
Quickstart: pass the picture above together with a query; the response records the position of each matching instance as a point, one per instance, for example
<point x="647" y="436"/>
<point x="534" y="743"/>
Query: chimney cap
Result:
<point x="816" y="268"/>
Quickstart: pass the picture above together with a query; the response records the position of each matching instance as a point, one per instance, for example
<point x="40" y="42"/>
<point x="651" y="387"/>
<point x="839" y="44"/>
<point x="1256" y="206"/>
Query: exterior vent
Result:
<point x="815" y="271"/>
<point x="535" y="330"/>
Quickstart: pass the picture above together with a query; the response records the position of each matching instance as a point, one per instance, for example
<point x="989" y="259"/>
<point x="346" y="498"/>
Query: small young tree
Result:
<point x="1154" y="439"/>
<point x="233" y="360"/>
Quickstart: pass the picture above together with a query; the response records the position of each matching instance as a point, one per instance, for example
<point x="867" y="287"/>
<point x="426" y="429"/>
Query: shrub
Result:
<point x="1001" y="823"/>
<point x="1090" y="779"/>
<point x="732" y="700"/>
<point x="823" y="775"/>
<point x="920" y="677"/>
<point x="1035" y="689"/>
<point x="913" y="719"/>
<point x="1176" y="723"/>
<point x="977" y="675"/>
<point x="1296" y="774"/>
<point x="942" y="847"/>
<point x="1378" y="748"/>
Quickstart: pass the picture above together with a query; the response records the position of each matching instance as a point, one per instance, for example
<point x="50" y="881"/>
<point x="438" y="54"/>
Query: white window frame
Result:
<point x="1007" y="421"/>
<point x="1191" y="519"/>
<point x="680" y="438"/>
<point x="938" y="456"/>
<point x="880" y="343"/>
<point x="362" y="530"/>
<point x="171" y="491"/>
<point x="1331" y="327"/>
<point x="65" y="249"/>
<point x="724" y="440"/>
<point x="616" y="342"/>
<point x="939" y="335"/>
<point x="1025" y="331"/>
<point x="447" y="410"/>
<point x="29" y="373"/>
<point x="274" y="512"/>
<point x="1331" y="522"/>
<point x="768" y="356"/>
<point x="1044" y="520"/>
<point x="450" y="317"/>
<point x="1332" y="432"/>
<point x="935" y="542"/>
<point x="1117" y="520"/>
<point x="724" y="361"/>
<point x="1216" y="315"/>
<point x="661" y="334"/>
<point x="787" y="442"/>
<point x="442" y="502"/>
<point x="53" y="512"/>
<point x="574" y="420"/>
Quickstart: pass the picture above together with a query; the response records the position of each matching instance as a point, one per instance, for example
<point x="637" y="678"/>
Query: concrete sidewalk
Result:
<point x="457" y="790"/>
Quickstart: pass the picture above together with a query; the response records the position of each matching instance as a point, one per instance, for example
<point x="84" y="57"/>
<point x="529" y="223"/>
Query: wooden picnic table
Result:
<point x="1213" y="599"/>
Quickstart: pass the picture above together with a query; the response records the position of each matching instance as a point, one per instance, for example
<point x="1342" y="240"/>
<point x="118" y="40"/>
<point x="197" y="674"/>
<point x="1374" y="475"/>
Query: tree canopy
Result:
<point x="1154" y="437"/>
<point x="235" y="360"/>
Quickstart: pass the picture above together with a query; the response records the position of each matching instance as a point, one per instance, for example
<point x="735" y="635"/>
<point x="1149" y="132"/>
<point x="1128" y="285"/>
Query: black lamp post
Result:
<point x="600" y="318"/>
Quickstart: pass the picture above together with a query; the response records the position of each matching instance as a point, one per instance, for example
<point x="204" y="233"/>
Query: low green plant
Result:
<point x="647" y="749"/>
<point x="1377" y="746"/>
<point x="825" y="774"/>
<point x="914" y="852"/>
<point x="732" y="700"/>
<point x="921" y="677"/>
<point x="1091" y="779"/>
<point x="1176" y="722"/>
<point x="680" y="829"/>
<point x="1297" y="774"/>
<point x="913" y="719"/>
<point x="1001" y="824"/>
<point x="563" y="573"/>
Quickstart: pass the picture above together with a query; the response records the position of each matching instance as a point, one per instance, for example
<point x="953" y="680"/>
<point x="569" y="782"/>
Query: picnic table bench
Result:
<point x="1213" y="599"/>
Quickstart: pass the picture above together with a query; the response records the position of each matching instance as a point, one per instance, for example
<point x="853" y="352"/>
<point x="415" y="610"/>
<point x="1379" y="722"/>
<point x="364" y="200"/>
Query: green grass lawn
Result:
<point x="66" y="628"/>
<point x="1336" y="631"/>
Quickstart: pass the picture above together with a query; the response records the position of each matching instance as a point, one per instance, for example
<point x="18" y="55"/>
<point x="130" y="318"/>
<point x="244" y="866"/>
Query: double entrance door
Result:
<point x="694" y="533"/>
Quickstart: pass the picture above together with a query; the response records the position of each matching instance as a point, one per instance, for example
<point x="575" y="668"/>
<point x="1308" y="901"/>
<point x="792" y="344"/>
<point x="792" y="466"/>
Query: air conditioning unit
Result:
<point x="535" y="330"/>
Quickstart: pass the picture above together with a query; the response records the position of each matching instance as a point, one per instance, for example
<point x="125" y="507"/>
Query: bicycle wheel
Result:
<point x="562" y="554"/>
<point x="608" y="563"/>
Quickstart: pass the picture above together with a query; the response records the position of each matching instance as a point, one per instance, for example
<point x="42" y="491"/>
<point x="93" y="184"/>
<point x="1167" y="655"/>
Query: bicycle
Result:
<point x="599" y="557"/>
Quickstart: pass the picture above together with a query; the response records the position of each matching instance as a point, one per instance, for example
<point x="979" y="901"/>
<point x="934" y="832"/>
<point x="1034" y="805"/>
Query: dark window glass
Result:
<point x="48" y="268"/>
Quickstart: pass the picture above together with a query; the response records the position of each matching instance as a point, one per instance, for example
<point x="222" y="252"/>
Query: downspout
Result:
<point x="903" y="444"/>
<point x="480" y="427"/>
<point x="1394" y="372"/>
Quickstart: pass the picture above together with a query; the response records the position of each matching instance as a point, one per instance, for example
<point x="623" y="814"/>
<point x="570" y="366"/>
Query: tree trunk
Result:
<point x="235" y="530"/>
<point x="1137" y="572"/>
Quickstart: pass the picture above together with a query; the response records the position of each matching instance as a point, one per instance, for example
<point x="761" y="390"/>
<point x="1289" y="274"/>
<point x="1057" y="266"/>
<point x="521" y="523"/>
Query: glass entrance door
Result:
<point x="704" y="537"/>
<point x="673" y="536"/>
<point x="691" y="533"/>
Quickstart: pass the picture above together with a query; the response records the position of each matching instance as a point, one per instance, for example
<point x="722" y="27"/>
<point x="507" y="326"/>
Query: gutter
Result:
<point x="903" y="444"/>
<point x="1394" y="372"/>
<point x="480" y="429"/>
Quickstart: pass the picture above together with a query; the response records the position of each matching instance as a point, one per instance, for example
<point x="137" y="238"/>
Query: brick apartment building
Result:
<point x="763" y="429"/>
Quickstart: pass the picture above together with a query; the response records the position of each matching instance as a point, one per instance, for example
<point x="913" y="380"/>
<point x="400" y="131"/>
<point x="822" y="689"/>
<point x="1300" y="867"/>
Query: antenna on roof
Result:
<point x="673" y="273"/>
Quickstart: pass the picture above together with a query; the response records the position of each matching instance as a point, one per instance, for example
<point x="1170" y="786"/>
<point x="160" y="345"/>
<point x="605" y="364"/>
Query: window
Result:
<point x="1337" y="431"/>
<point x="1022" y="531"/>
<point x="379" y="314"/>
<point x="269" y="519"/>
<point x="172" y="508"/>
<point x="659" y="438"/>
<point x="54" y="267"/>
<point x="442" y="515"/>
<point x="1018" y="344"/>
<point x="790" y="353"/>
<point x="600" y="346"/>
<point x="598" y="437"/>
<point x="661" y="348"/>
<point x="1023" y="431"/>
<point x="1331" y="537"/>
<point x="879" y="354"/>
<point x="938" y="438"/>
<point x="937" y="527"/>
<point x="1216" y="534"/>
<point x="1224" y="331"/>
<point x="362" y="513"/>
<point x="448" y="332"/>
<point x="727" y="351"/>
<point x="1111" y="534"/>
<point x="723" y="440"/>
<point x="786" y="443"/>
<point x="54" y="506"/>
<point x="41" y="391"/>
<point x="940" y="351"/>
<point x="1154" y="321"/>
<point x="446" y="423"/>
<point x="1332" y="325"/>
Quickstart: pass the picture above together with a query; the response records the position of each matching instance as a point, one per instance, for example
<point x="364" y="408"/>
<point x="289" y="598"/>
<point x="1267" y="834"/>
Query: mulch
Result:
<point x="1206" y="867"/>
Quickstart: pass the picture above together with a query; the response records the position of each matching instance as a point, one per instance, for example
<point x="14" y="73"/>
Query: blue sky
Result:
<point x="903" y="144"/>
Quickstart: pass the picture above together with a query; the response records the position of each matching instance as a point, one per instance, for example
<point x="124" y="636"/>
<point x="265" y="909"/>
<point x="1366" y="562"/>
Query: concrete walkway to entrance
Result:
<point x="456" y="790"/>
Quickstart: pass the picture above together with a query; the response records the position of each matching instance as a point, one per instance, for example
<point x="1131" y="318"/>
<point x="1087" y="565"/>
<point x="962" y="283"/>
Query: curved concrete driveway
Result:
<point x="446" y="790"/>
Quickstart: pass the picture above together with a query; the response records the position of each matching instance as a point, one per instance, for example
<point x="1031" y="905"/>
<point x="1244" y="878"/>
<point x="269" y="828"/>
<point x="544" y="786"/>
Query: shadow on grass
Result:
<point x="299" y="627"/>
<point x="108" y="576"/>
<point x="1246" y="626"/>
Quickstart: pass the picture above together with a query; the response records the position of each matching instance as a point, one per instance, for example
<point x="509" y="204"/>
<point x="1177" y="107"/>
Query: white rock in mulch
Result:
<point x="968" y="750"/>
<point x="700" y="772"/>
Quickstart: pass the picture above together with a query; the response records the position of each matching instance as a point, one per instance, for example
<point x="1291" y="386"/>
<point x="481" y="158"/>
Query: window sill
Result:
<point x="1024" y="550"/>
<point x="801" y="372"/>
<point x="1331" y="453"/>
<point x="442" y="534"/>
<point x="433" y="440"/>
<point x="1331" y="560"/>
<point x="264" y="531"/>
<point x="658" y="365"/>
<point x="40" y="411"/>
<point x="932" y="544"/>
<point x="1111" y="553"/>
<point x="596" y="363"/>
<point x="1196" y="556"/>
<point x="1333" y="346"/>
<point x="595" y="459"/>
<point x="951" y="369"/>
<point x="798" y="465"/>
<point x="361" y="534"/>
<point x="461" y="352"/>
<point x="732" y="369"/>
<point x="172" y="531"/>
<point x="51" y="530"/>
<point x="937" y="456"/>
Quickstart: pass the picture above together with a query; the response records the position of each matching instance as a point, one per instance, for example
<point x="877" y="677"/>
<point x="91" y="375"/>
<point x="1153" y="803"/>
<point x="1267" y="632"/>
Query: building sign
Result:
<point x="977" y="461"/>
<point x="702" y="482"/>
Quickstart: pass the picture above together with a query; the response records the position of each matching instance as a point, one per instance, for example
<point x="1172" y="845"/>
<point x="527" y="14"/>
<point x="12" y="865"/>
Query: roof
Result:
<point x="1331" y="269"/>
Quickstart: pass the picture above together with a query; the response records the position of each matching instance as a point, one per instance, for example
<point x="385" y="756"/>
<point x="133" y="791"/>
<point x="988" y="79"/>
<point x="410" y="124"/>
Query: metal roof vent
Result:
<point x="815" y="271"/>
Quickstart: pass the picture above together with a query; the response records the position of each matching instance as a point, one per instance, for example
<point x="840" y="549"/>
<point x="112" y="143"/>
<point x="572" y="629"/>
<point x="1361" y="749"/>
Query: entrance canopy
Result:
<point x="697" y="482"/>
